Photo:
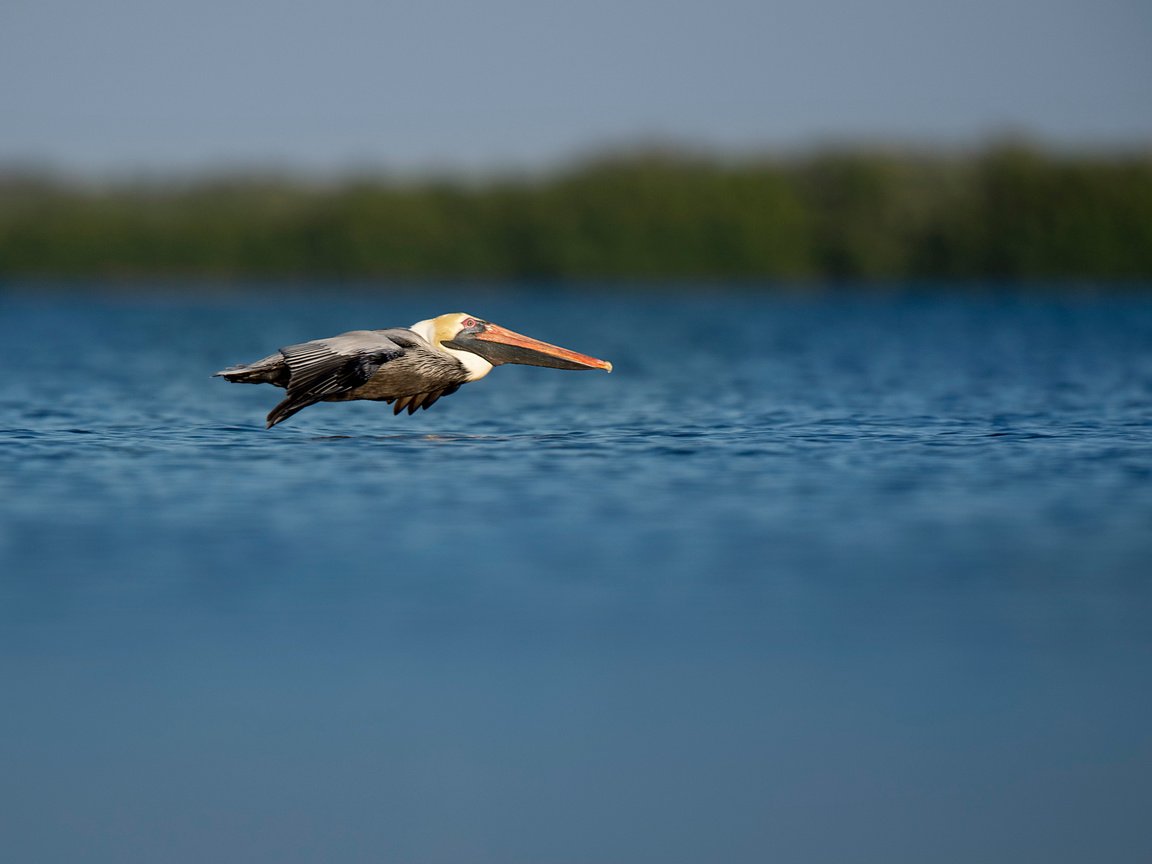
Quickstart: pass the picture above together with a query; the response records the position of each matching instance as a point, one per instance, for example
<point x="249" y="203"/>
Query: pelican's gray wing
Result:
<point x="325" y="368"/>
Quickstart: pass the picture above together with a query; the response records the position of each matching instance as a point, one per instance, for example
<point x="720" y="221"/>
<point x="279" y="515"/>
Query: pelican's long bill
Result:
<point x="498" y="345"/>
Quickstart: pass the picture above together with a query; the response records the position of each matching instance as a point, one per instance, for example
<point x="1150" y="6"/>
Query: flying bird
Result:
<point x="409" y="367"/>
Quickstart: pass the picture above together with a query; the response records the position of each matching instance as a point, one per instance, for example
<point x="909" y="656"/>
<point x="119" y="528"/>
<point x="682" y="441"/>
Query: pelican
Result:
<point x="410" y="367"/>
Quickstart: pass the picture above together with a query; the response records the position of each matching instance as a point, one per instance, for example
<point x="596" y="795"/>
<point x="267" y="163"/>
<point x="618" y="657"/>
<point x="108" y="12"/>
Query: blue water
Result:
<point x="830" y="578"/>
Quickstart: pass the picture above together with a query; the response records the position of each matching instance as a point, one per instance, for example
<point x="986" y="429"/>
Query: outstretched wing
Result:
<point x="325" y="368"/>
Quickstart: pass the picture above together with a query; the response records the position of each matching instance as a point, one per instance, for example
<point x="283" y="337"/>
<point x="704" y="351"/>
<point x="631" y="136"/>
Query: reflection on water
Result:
<point x="811" y="579"/>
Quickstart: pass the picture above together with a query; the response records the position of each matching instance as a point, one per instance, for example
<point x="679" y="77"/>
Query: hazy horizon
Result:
<point x="133" y="86"/>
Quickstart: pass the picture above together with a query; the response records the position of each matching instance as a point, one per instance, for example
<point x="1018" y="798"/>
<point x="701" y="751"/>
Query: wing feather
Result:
<point x="325" y="368"/>
<point x="430" y="398"/>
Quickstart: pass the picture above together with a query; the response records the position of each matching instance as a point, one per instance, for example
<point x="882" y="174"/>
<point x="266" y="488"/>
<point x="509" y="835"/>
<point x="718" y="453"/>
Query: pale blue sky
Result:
<point x="123" y="85"/>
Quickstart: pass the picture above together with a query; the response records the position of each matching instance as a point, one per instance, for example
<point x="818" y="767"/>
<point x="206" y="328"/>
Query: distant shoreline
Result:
<point x="839" y="216"/>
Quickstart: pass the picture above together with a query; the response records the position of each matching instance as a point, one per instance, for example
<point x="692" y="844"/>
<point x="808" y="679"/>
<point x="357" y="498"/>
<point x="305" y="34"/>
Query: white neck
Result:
<point x="476" y="366"/>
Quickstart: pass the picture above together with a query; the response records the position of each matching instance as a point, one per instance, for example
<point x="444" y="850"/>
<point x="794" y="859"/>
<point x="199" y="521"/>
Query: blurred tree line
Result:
<point x="1009" y="211"/>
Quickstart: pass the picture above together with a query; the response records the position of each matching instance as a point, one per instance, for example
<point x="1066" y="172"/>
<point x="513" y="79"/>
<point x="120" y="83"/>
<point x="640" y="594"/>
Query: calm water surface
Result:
<point x="831" y="579"/>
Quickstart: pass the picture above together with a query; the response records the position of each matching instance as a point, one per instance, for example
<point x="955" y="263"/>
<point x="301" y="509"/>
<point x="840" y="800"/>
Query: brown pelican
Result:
<point x="409" y="366"/>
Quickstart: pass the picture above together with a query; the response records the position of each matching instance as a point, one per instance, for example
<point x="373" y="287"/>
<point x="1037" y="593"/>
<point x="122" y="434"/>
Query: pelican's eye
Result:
<point x="468" y="322"/>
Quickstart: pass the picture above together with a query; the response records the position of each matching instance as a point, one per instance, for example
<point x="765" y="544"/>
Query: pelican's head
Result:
<point x="480" y="345"/>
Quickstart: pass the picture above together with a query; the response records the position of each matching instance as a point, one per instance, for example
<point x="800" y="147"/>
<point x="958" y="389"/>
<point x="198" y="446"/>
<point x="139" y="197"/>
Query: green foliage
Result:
<point x="1007" y="212"/>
